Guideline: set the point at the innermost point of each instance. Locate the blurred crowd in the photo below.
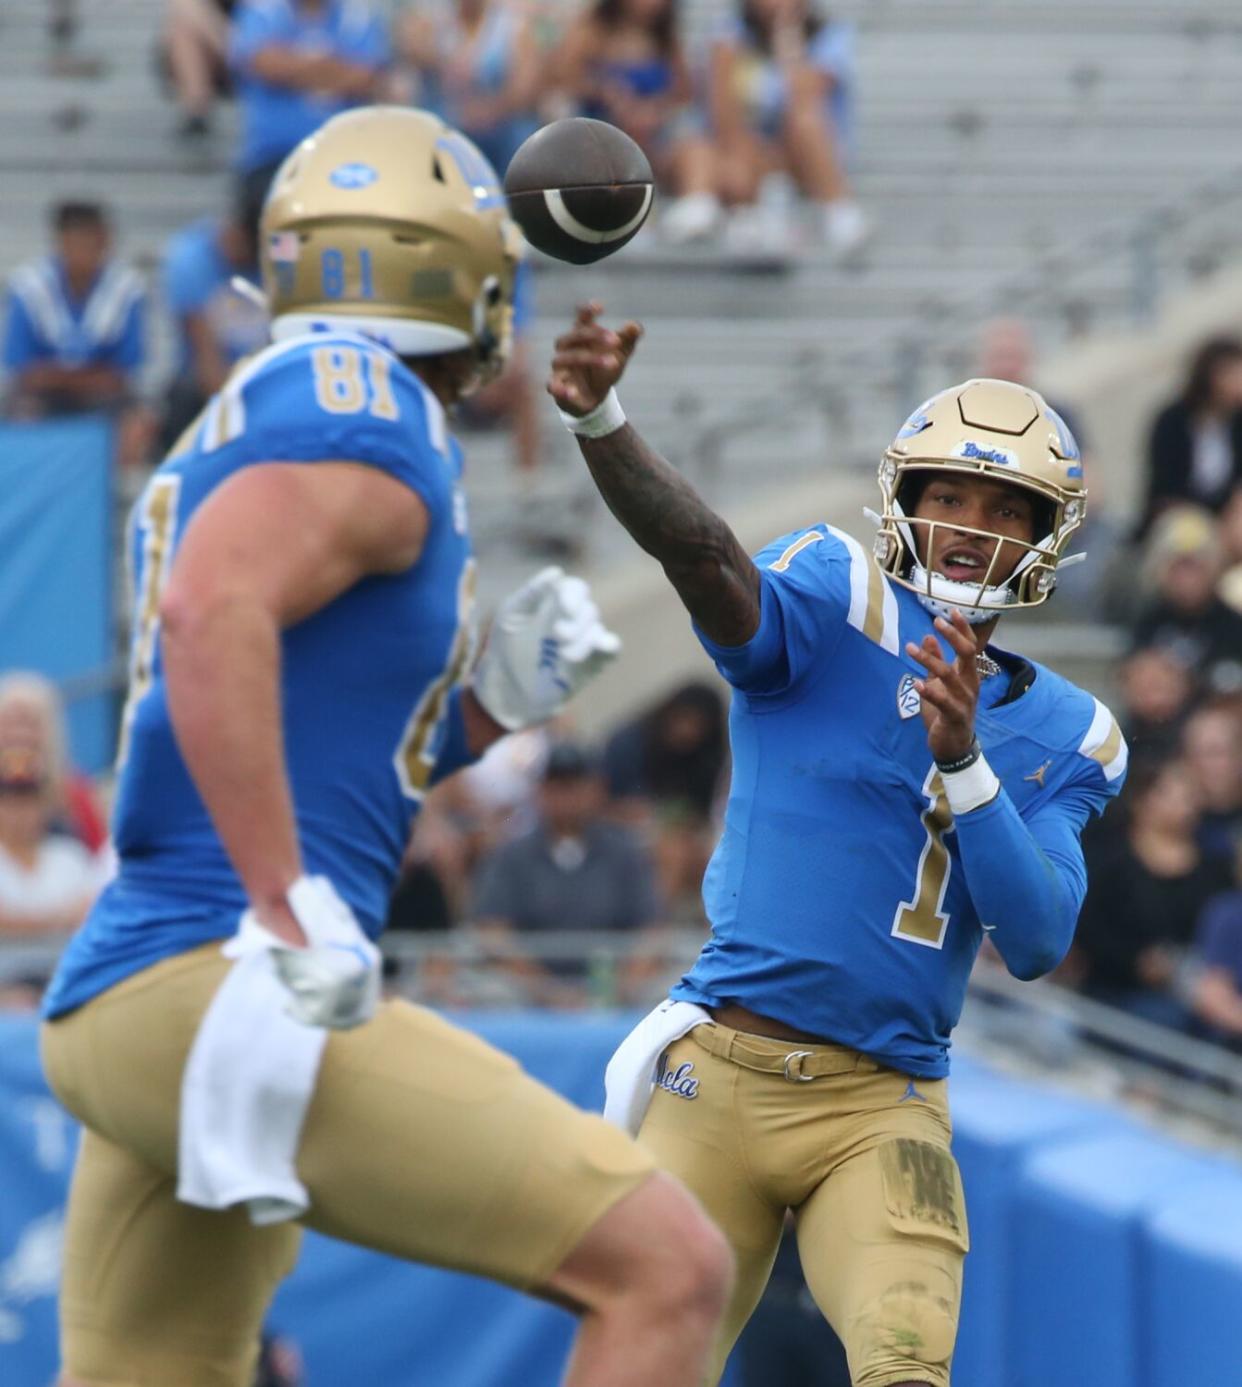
(733, 133)
(604, 846)
(1161, 930)
(765, 97)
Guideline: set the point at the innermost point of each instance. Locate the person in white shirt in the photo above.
(47, 880)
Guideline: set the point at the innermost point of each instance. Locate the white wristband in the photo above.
(607, 417)
(970, 789)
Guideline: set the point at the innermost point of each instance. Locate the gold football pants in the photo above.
(859, 1153)
(420, 1141)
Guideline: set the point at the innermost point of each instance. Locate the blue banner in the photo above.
(56, 566)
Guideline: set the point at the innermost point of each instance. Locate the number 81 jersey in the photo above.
(366, 681)
(837, 895)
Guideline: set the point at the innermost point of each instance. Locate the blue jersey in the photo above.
(844, 898)
(45, 323)
(198, 280)
(274, 117)
(368, 682)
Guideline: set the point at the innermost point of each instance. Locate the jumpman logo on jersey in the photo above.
(1038, 774)
(911, 1092)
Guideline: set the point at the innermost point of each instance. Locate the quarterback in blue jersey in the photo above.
(302, 671)
(900, 788)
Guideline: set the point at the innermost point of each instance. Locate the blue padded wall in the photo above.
(1076, 1308)
(997, 1123)
(1191, 1292)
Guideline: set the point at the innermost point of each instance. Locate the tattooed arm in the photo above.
(712, 573)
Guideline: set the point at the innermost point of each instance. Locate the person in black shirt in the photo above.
(1195, 450)
(573, 871)
(1146, 891)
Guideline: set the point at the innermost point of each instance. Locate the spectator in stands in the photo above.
(1145, 892)
(295, 64)
(778, 96)
(1185, 610)
(496, 796)
(479, 68)
(664, 774)
(1216, 992)
(75, 333)
(194, 48)
(31, 715)
(1007, 352)
(280, 1363)
(1212, 747)
(1158, 688)
(1195, 449)
(1094, 591)
(1230, 531)
(47, 880)
(622, 61)
(216, 325)
(573, 871)
(676, 753)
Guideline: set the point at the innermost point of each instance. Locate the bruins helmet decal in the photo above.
(391, 223)
(1009, 434)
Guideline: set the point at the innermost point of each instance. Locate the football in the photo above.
(579, 189)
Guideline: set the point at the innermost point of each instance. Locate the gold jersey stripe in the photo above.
(873, 622)
(1107, 751)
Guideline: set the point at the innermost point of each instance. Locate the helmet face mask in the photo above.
(1006, 434)
(390, 223)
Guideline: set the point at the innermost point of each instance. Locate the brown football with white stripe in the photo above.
(579, 189)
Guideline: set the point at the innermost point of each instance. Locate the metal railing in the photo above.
(1039, 1029)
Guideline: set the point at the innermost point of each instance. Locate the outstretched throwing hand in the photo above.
(589, 360)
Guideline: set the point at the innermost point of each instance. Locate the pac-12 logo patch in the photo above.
(679, 1081)
(908, 701)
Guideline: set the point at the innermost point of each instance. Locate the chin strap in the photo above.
(943, 596)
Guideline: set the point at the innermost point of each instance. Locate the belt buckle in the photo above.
(793, 1067)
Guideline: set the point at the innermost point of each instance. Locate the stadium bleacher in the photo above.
(1009, 157)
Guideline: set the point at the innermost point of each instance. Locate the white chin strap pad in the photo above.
(942, 596)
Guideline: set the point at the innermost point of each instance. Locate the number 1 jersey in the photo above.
(839, 898)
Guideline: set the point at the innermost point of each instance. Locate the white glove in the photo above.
(546, 643)
(334, 980)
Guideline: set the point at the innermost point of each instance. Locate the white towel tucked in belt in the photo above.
(244, 1094)
(630, 1078)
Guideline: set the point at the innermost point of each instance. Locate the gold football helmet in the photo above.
(1009, 434)
(391, 223)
